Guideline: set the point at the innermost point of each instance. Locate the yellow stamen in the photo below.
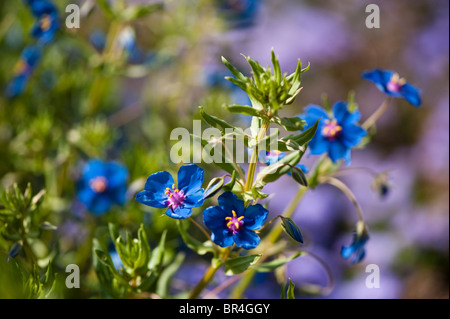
(46, 22)
(229, 224)
(234, 213)
(237, 225)
(173, 186)
(240, 218)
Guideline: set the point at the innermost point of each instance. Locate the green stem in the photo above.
(272, 237)
(254, 159)
(208, 276)
(376, 115)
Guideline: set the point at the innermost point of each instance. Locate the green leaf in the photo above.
(214, 121)
(238, 265)
(301, 139)
(157, 258)
(194, 244)
(106, 8)
(276, 67)
(274, 264)
(229, 186)
(290, 123)
(290, 290)
(243, 109)
(283, 166)
(136, 12)
(144, 251)
(163, 285)
(236, 72)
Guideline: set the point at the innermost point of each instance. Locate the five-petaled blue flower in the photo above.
(356, 248)
(23, 70)
(336, 134)
(231, 222)
(392, 84)
(47, 23)
(102, 185)
(160, 191)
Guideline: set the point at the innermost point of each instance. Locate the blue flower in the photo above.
(23, 70)
(102, 185)
(336, 134)
(47, 23)
(392, 84)
(160, 191)
(240, 13)
(356, 248)
(231, 222)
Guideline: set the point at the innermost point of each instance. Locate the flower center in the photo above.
(331, 130)
(395, 83)
(45, 22)
(175, 197)
(234, 223)
(98, 184)
(20, 67)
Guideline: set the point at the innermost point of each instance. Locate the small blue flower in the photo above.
(160, 191)
(102, 185)
(336, 134)
(240, 13)
(231, 222)
(392, 84)
(356, 248)
(23, 70)
(47, 23)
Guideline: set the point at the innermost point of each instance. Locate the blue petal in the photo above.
(222, 237)
(195, 199)
(148, 198)
(85, 193)
(229, 202)
(352, 135)
(255, 217)
(312, 114)
(214, 218)
(319, 144)
(380, 78)
(246, 239)
(153, 194)
(339, 151)
(100, 204)
(343, 116)
(411, 94)
(117, 175)
(94, 168)
(190, 178)
(179, 212)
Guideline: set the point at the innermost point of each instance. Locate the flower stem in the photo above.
(376, 115)
(254, 159)
(272, 237)
(207, 277)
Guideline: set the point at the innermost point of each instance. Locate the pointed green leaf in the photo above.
(238, 265)
(274, 264)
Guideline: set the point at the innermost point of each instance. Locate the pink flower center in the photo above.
(98, 184)
(331, 130)
(234, 224)
(175, 197)
(395, 83)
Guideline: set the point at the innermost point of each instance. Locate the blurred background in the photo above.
(87, 99)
